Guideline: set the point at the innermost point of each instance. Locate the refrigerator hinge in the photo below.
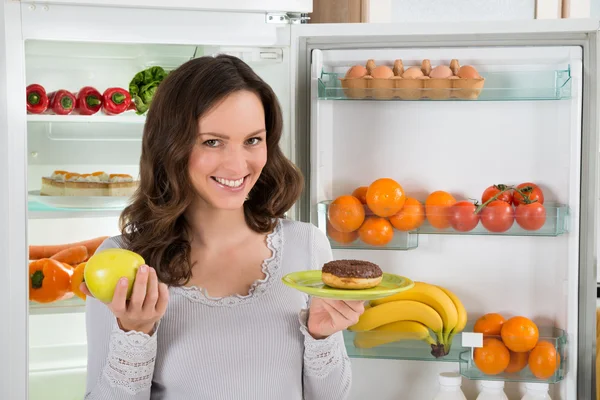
(286, 18)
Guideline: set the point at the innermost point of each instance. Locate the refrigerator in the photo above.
(534, 120)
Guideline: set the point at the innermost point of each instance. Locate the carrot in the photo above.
(72, 255)
(37, 252)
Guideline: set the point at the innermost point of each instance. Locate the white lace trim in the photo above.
(270, 267)
(131, 360)
(321, 356)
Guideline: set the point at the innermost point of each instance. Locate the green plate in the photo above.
(310, 282)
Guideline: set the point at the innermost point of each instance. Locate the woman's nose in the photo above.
(235, 160)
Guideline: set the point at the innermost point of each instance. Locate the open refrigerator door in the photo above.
(391, 110)
(69, 46)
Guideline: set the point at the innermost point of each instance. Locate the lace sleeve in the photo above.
(131, 357)
(320, 356)
(120, 365)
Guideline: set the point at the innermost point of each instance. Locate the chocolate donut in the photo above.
(351, 274)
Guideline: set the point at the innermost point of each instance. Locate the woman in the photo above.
(209, 317)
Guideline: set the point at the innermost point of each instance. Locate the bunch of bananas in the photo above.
(411, 315)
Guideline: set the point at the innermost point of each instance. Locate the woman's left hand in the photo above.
(326, 316)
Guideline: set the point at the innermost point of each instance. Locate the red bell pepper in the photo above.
(62, 102)
(115, 101)
(89, 101)
(37, 99)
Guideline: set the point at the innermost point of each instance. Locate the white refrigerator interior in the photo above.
(532, 122)
(462, 148)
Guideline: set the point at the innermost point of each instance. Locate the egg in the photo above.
(412, 73)
(382, 72)
(468, 72)
(357, 71)
(441, 72)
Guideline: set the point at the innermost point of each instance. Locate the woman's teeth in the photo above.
(230, 183)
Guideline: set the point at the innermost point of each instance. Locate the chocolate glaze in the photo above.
(352, 269)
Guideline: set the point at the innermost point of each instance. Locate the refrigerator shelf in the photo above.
(125, 118)
(556, 337)
(400, 240)
(70, 305)
(358, 345)
(556, 223)
(495, 86)
(42, 211)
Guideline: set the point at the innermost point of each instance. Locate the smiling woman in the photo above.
(208, 220)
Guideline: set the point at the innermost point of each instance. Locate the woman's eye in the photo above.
(211, 143)
(254, 141)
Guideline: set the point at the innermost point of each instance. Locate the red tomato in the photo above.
(497, 216)
(531, 216)
(535, 194)
(462, 216)
(494, 190)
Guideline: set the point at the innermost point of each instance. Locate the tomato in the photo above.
(535, 194)
(104, 269)
(462, 216)
(494, 190)
(497, 216)
(531, 216)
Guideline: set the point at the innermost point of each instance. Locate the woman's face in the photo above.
(230, 152)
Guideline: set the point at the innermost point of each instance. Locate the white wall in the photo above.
(477, 10)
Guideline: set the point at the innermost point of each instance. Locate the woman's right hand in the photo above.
(146, 306)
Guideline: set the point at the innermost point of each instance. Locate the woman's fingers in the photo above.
(84, 289)
(152, 291)
(139, 289)
(163, 298)
(342, 310)
(118, 305)
(356, 305)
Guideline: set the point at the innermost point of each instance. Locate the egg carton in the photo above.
(414, 83)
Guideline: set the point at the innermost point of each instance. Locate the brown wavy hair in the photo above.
(153, 225)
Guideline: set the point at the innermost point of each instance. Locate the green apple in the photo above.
(104, 269)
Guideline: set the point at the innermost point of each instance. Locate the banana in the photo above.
(434, 297)
(462, 317)
(393, 332)
(401, 310)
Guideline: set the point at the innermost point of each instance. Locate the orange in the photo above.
(341, 237)
(346, 213)
(361, 194)
(376, 231)
(437, 207)
(410, 217)
(544, 360)
(385, 197)
(489, 324)
(492, 358)
(520, 334)
(518, 361)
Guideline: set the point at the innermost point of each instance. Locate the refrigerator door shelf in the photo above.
(396, 240)
(556, 223)
(389, 346)
(493, 86)
(556, 341)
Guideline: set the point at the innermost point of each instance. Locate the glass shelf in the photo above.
(358, 345)
(496, 86)
(556, 337)
(42, 211)
(128, 117)
(400, 240)
(71, 305)
(556, 223)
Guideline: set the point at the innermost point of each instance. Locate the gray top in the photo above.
(238, 347)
